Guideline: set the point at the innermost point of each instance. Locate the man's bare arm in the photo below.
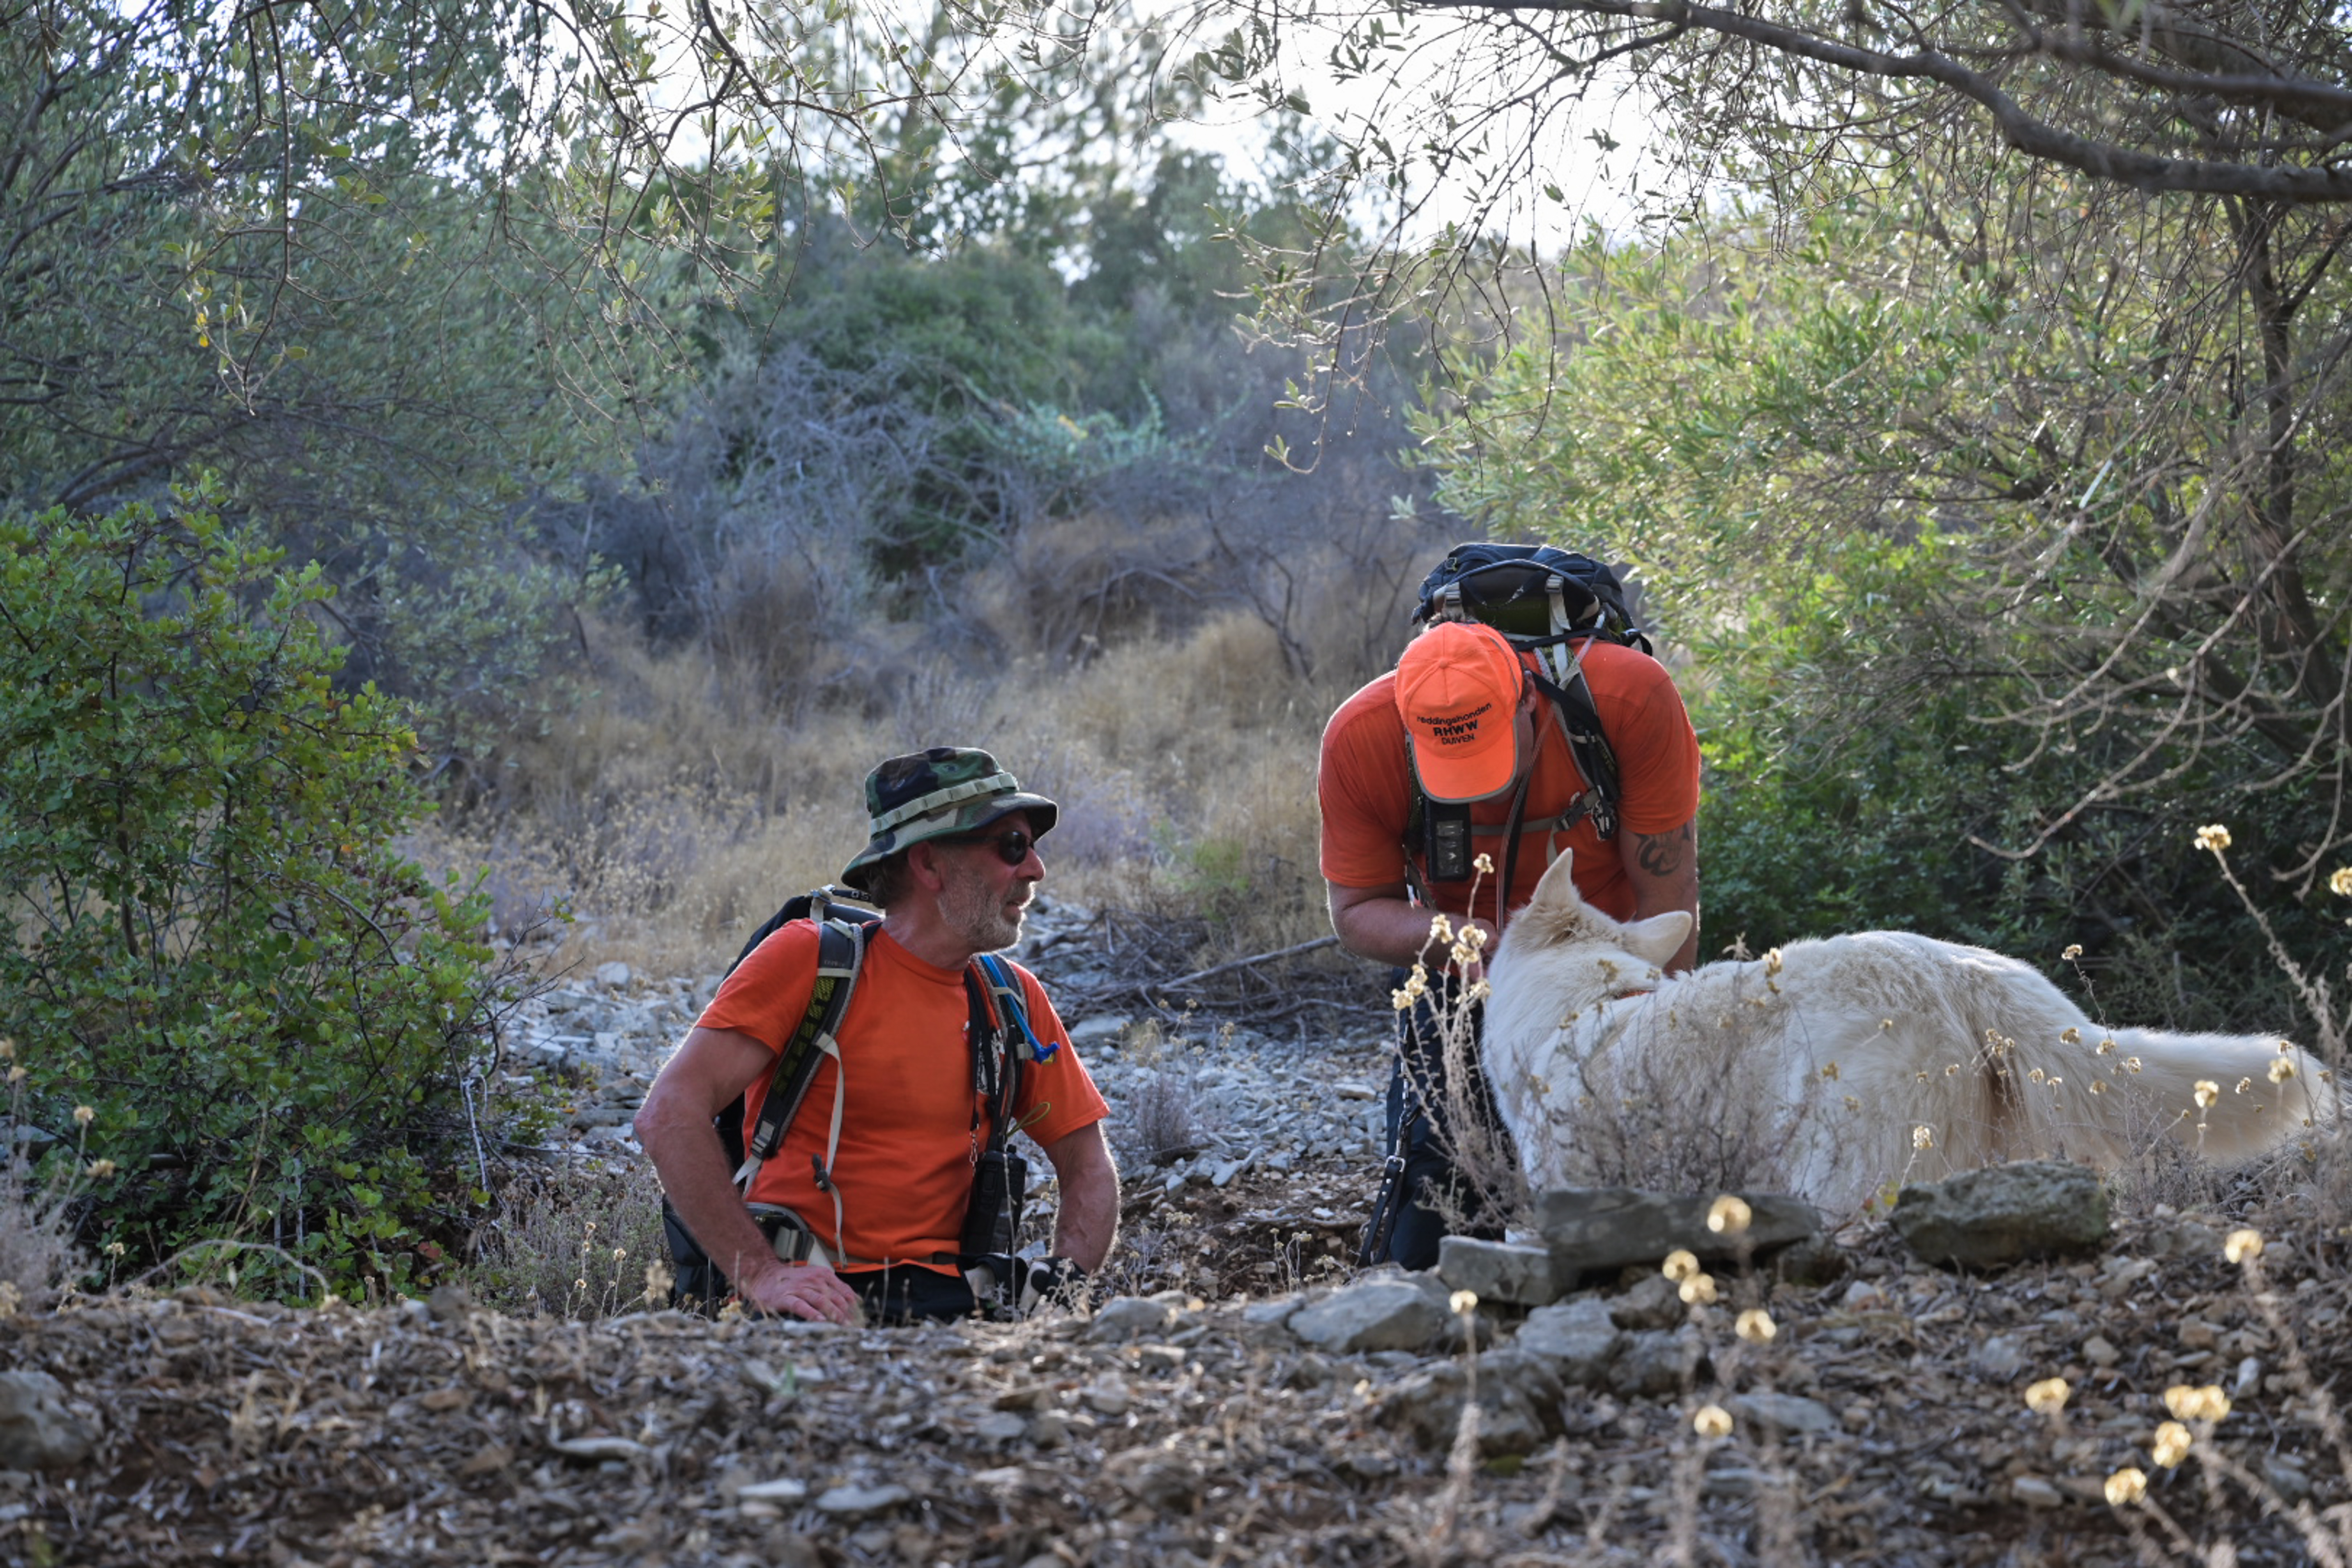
(1383, 925)
(709, 1070)
(1664, 870)
(1087, 1219)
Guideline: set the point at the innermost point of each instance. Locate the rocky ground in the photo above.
(1247, 1397)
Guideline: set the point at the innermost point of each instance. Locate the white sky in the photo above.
(1550, 144)
(1596, 187)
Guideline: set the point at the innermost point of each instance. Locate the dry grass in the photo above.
(576, 1243)
(1163, 1119)
(676, 807)
(37, 1255)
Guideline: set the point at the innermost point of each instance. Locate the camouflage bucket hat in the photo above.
(939, 794)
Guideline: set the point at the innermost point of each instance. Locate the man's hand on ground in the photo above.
(1053, 1282)
(808, 1290)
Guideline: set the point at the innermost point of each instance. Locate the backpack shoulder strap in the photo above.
(1000, 1013)
(1579, 724)
(1012, 999)
(841, 950)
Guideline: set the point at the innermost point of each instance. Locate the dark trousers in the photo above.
(911, 1294)
(1420, 1111)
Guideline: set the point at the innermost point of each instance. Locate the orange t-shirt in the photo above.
(908, 1143)
(1365, 788)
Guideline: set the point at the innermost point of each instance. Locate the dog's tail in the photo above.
(2227, 1097)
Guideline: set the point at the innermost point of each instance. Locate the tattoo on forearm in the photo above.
(1662, 854)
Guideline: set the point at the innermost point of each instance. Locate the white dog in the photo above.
(1876, 1058)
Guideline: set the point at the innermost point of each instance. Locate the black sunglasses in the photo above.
(1011, 847)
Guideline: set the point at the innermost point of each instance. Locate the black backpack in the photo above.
(1534, 595)
(1540, 598)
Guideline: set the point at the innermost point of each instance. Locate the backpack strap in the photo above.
(841, 951)
(1580, 724)
(1002, 1039)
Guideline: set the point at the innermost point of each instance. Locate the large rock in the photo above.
(36, 1431)
(1577, 1339)
(1609, 1228)
(1518, 1403)
(2036, 1208)
(1498, 1270)
(1385, 1312)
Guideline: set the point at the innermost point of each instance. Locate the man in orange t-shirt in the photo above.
(1463, 704)
(951, 862)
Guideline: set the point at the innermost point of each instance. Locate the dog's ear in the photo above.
(1660, 937)
(1556, 889)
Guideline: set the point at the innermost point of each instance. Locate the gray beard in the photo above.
(972, 912)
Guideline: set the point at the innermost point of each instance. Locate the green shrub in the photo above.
(270, 1016)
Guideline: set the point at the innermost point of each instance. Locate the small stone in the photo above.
(1105, 1399)
(1273, 1313)
(2099, 1352)
(613, 975)
(1788, 1412)
(595, 1450)
(1397, 1311)
(1125, 1318)
(1498, 1271)
(1519, 1404)
(488, 1460)
(1002, 1427)
(1224, 1173)
(2035, 1492)
(1578, 1338)
(1657, 1364)
(1654, 1302)
(855, 1502)
(1732, 1483)
(2196, 1334)
(1028, 1397)
(783, 1489)
(2291, 1484)
(1104, 1031)
(2005, 1214)
(1863, 1296)
(2000, 1357)
(1157, 1477)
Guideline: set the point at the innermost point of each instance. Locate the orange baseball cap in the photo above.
(1457, 689)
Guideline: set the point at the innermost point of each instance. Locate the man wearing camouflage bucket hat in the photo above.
(951, 861)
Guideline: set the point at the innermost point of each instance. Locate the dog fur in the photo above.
(1851, 1043)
